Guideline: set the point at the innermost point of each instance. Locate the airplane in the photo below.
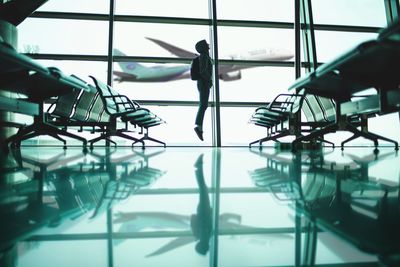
(136, 72)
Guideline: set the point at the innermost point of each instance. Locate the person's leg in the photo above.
(204, 94)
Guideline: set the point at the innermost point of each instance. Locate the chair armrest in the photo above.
(126, 103)
(135, 103)
(287, 104)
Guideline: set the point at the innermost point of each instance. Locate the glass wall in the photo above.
(340, 26)
(147, 39)
(84, 6)
(63, 36)
(355, 13)
(153, 43)
(172, 8)
(330, 44)
(258, 10)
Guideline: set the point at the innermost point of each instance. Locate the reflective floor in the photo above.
(199, 207)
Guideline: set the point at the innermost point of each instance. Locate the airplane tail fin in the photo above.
(118, 52)
(128, 67)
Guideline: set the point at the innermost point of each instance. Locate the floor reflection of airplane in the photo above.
(135, 72)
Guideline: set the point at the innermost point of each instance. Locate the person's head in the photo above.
(202, 46)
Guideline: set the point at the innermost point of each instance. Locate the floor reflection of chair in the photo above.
(22, 210)
(77, 189)
(71, 185)
(354, 206)
(368, 217)
(336, 197)
(126, 177)
(282, 174)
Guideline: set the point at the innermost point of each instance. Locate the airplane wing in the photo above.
(176, 243)
(173, 49)
(226, 72)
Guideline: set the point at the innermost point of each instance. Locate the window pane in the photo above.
(345, 12)
(179, 127)
(132, 38)
(63, 36)
(82, 69)
(385, 125)
(81, 6)
(233, 119)
(255, 43)
(171, 8)
(263, 10)
(257, 84)
(332, 44)
(154, 81)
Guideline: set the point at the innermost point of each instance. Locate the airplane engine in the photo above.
(231, 76)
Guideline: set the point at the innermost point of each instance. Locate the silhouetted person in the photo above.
(204, 83)
(201, 221)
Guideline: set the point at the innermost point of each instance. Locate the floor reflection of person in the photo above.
(201, 221)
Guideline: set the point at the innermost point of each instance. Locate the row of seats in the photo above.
(281, 119)
(78, 104)
(101, 110)
(327, 97)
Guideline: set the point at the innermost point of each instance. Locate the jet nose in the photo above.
(285, 53)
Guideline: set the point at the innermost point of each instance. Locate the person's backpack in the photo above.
(195, 69)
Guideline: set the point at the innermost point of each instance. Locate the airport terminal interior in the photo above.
(296, 163)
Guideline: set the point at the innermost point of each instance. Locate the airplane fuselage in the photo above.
(135, 72)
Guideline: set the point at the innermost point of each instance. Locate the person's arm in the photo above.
(205, 67)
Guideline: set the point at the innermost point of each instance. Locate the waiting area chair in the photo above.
(128, 111)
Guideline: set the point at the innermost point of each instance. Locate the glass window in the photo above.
(255, 84)
(82, 69)
(387, 126)
(155, 81)
(179, 127)
(262, 10)
(158, 40)
(171, 8)
(233, 119)
(245, 43)
(61, 36)
(79, 6)
(332, 44)
(344, 12)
